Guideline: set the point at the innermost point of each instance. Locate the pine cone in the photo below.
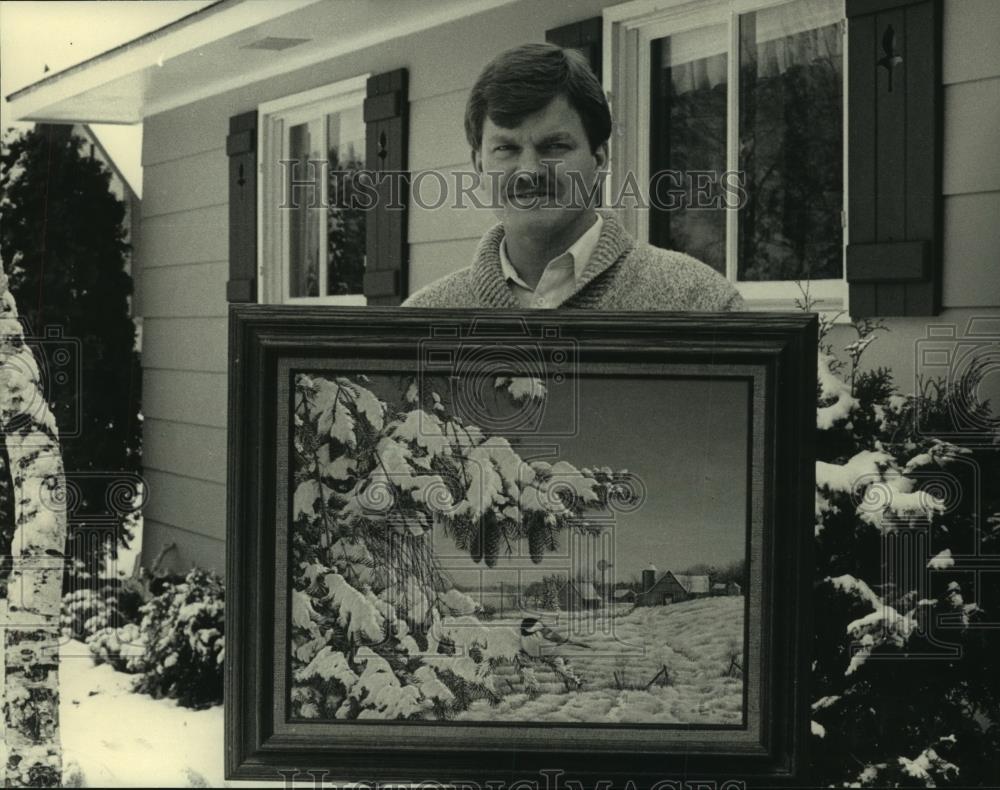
(491, 538)
(537, 533)
(476, 544)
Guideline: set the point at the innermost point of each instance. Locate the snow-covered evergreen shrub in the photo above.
(106, 617)
(87, 611)
(123, 648)
(905, 683)
(184, 645)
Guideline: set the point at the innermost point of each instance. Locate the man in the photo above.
(538, 124)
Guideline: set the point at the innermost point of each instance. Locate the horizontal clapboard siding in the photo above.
(186, 184)
(196, 290)
(969, 41)
(456, 217)
(184, 237)
(437, 131)
(971, 177)
(187, 502)
(972, 136)
(190, 548)
(194, 129)
(179, 448)
(972, 250)
(185, 344)
(192, 397)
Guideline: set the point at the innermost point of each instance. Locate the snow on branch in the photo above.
(835, 394)
(328, 664)
(521, 388)
(929, 767)
(884, 495)
(862, 468)
(884, 625)
(355, 612)
(383, 695)
(852, 586)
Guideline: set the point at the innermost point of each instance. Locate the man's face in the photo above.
(546, 168)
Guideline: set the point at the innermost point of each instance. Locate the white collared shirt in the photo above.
(561, 275)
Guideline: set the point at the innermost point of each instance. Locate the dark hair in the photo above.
(524, 80)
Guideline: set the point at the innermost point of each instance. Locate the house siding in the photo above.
(182, 291)
(186, 237)
(183, 257)
(182, 252)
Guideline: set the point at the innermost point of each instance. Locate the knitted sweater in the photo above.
(620, 275)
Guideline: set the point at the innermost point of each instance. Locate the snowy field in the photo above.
(694, 640)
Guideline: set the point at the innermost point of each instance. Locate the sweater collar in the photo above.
(491, 284)
(578, 254)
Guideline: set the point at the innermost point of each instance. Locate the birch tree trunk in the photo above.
(30, 644)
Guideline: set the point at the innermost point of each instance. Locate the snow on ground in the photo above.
(693, 639)
(115, 738)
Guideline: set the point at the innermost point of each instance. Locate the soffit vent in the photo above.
(276, 43)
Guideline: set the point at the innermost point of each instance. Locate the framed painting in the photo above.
(518, 546)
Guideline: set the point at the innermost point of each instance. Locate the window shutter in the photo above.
(584, 36)
(386, 138)
(241, 146)
(894, 157)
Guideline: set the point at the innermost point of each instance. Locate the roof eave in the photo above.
(40, 101)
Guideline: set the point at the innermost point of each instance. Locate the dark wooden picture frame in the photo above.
(774, 354)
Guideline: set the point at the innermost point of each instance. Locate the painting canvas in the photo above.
(494, 545)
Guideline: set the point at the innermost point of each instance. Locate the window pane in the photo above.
(345, 238)
(791, 143)
(688, 134)
(304, 143)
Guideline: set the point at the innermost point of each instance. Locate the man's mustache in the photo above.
(528, 186)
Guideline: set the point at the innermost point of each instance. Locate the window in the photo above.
(312, 247)
(748, 87)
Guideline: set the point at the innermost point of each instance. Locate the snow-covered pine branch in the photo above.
(902, 674)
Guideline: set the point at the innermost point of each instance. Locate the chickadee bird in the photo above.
(540, 641)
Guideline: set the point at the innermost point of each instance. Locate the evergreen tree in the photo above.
(63, 244)
(550, 593)
(905, 684)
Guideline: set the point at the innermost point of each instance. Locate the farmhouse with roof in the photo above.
(623, 595)
(659, 589)
(724, 588)
(575, 596)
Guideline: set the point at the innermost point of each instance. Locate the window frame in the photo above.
(628, 30)
(273, 119)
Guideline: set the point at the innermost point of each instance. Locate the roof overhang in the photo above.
(221, 47)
